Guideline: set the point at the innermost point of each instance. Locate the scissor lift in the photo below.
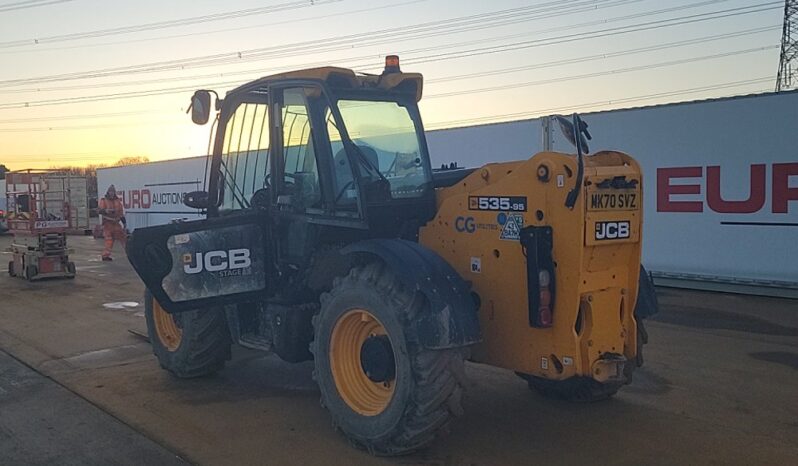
(39, 219)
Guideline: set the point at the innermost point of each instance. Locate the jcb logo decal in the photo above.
(217, 261)
(612, 230)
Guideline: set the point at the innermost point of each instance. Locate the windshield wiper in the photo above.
(365, 161)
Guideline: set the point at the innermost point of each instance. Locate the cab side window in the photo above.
(300, 172)
(344, 187)
(245, 155)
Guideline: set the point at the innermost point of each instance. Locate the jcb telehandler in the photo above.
(330, 237)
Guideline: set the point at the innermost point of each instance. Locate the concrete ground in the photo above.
(720, 386)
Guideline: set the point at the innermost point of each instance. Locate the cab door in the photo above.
(227, 258)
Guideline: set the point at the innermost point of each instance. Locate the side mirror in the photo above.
(196, 199)
(567, 128)
(200, 107)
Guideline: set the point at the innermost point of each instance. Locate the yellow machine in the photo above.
(330, 238)
(588, 255)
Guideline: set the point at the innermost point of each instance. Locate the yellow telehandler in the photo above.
(329, 237)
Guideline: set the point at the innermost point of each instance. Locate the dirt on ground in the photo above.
(718, 387)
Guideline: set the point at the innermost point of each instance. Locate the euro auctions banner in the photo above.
(153, 193)
(720, 179)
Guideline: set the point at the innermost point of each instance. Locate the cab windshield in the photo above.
(386, 139)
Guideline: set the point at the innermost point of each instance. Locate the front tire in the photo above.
(385, 392)
(189, 344)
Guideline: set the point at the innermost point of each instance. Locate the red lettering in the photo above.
(135, 198)
(782, 192)
(125, 198)
(665, 189)
(146, 199)
(756, 196)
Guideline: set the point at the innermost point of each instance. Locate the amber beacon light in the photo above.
(392, 64)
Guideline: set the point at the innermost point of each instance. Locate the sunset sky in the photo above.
(91, 81)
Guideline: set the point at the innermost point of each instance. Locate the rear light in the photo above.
(2, 213)
(537, 245)
(544, 278)
(544, 303)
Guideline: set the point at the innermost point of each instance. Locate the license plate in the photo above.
(616, 199)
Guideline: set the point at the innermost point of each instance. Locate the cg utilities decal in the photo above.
(467, 224)
(508, 225)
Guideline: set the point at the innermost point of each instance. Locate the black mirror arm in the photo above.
(573, 194)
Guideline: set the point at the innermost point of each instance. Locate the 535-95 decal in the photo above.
(504, 203)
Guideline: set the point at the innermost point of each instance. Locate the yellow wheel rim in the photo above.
(363, 395)
(168, 332)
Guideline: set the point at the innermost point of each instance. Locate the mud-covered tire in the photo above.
(428, 383)
(204, 345)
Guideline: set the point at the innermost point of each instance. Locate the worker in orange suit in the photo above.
(113, 220)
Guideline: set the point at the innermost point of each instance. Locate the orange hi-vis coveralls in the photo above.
(112, 229)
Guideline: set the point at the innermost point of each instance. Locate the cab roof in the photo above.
(344, 78)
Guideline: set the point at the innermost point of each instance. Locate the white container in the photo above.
(152, 193)
(721, 148)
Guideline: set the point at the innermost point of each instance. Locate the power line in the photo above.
(168, 24)
(537, 112)
(214, 31)
(603, 56)
(29, 4)
(335, 44)
(625, 100)
(114, 96)
(85, 127)
(62, 157)
(602, 73)
(438, 57)
(261, 71)
(651, 25)
(82, 116)
(460, 24)
(537, 66)
(133, 94)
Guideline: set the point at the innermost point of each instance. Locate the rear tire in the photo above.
(575, 389)
(30, 272)
(189, 344)
(11, 269)
(407, 410)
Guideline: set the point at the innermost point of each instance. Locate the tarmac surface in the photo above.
(79, 386)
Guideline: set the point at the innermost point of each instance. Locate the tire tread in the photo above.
(437, 379)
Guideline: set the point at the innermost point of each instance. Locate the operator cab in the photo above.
(326, 144)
